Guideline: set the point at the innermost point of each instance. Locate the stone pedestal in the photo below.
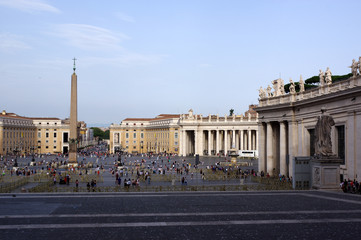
(326, 172)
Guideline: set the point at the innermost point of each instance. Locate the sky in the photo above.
(142, 58)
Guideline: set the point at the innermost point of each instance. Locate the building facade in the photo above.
(186, 134)
(287, 122)
(25, 135)
(17, 134)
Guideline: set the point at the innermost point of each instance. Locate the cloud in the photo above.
(11, 42)
(124, 17)
(29, 5)
(89, 37)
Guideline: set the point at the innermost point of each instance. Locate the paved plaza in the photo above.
(191, 215)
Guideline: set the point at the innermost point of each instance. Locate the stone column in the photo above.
(209, 142)
(257, 142)
(225, 142)
(241, 140)
(201, 142)
(249, 139)
(270, 163)
(233, 139)
(283, 150)
(73, 121)
(292, 144)
(217, 141)
(262, 150)
(196, 142)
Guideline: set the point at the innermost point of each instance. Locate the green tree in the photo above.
(100, 133)
(231, 111)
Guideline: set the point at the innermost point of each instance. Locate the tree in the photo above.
(97, 132)
(231, 112)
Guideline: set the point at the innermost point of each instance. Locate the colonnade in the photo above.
(217, 142)
(277, 143)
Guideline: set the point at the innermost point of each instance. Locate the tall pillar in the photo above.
(249, 138)
(73, 120)
(262, 150)
(241, 140)
(283, 150)
(225, 142)
(270, 163)
(257, 142)
(292, 144)
(201, 142)
(233, 139)
(209, 142)
(217, 141)
(196, 142)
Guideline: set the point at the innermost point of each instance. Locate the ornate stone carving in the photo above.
(302, 84)
(322, 78)
(328, 75)
(262, 93)
(269, 91)
(316, 176)
(354, 66)
(292, 87)
(323, 144)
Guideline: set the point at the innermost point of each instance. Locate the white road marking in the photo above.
(190, 223)
(331, 198)
(180, 214)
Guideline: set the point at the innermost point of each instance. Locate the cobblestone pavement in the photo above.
(108, 180)
(200, 215)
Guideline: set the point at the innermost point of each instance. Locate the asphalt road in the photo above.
(190, 215)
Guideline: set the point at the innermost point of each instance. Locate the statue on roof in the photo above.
(302, 84)
(292, 87)
(328, 76)
(322, 78)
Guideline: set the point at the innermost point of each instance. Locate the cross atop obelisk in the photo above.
(73, 120)
(74, 59)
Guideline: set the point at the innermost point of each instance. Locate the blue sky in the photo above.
(143, 58)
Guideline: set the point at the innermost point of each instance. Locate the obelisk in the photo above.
(73, 120)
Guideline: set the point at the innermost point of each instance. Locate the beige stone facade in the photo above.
(24, 135)
(187, 134)
(145, 135)
(17, 134)
(287, 123)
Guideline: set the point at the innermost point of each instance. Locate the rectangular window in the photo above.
(141, 135)
(55, 135)
(312, 141)
(175, 143)
(126, 135)
(39, 134)
(47, 135)
(341, 142)
(175, 135)
(134, 142)
(134, 135)
(65, 137)
(54, 147)
(126, 142)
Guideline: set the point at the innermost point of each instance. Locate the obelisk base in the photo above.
(73, 158)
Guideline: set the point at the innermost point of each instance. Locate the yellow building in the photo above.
(146, 135)
(52, 135)
(17, 134)
(24, 135)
